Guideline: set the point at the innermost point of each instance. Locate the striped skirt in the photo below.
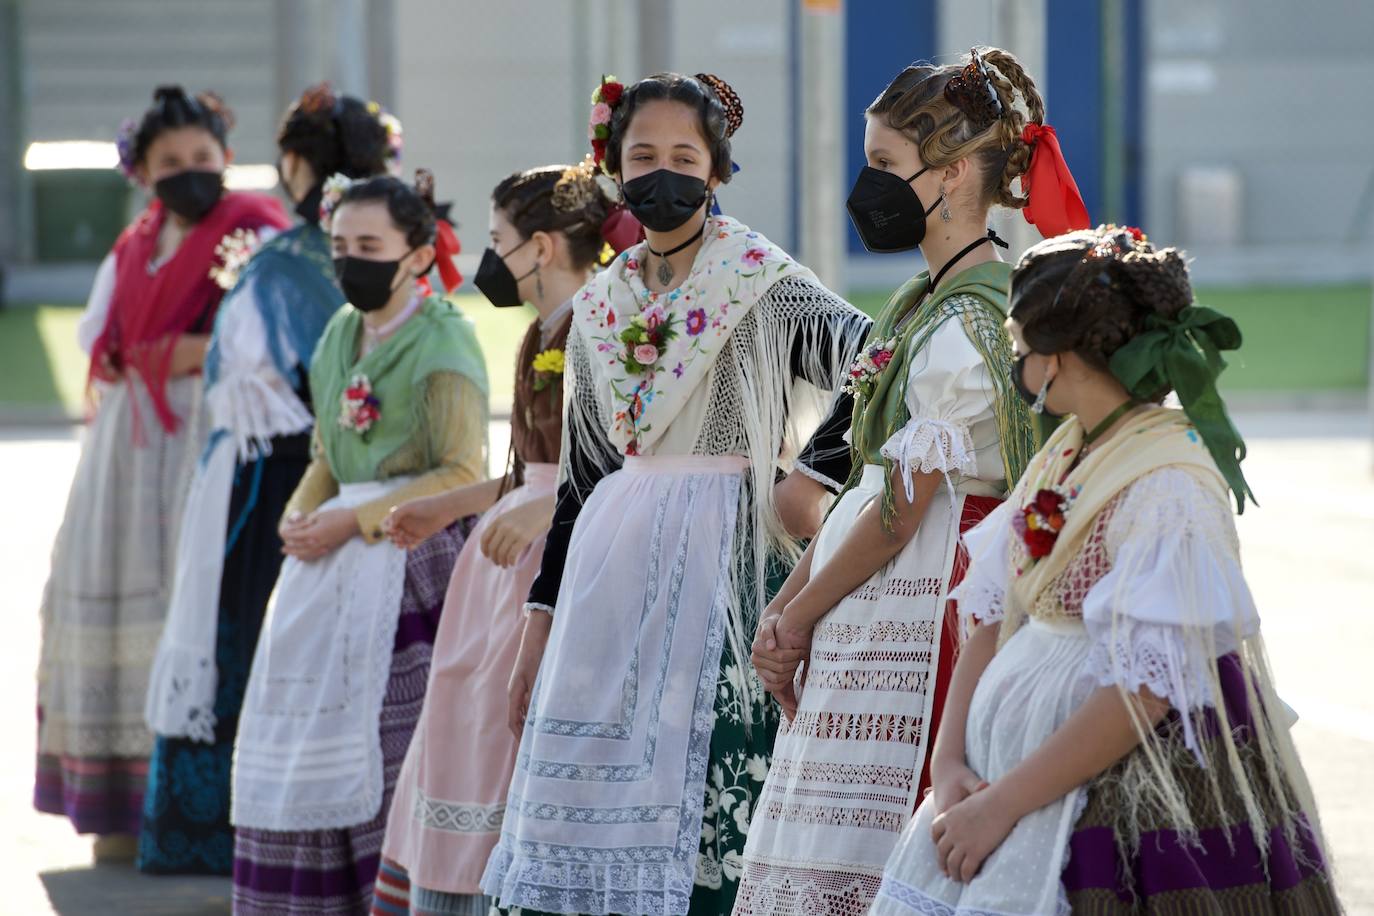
(1110, 873)
(333, 871)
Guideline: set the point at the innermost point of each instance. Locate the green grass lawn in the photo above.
(1296, 339)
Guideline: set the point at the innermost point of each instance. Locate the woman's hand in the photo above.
(318, 534)
(510, 533)
(417, 520)
(520, 690)
(969, 832)
(776, 654)
(951, 782)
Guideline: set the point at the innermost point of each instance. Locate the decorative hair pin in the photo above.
(729, 100)
(319, 97)
(972, 92)
(212, 103)
(576, 188)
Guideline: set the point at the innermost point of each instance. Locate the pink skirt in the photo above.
(451, 796)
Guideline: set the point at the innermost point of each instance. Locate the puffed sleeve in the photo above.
(982, 594)
(948, 388)
(1175, 599)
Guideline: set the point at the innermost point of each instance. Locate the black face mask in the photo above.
(664, 200)
(366, 284)
(1018, 380)
(495, 280)
(308, 207)
(887, 211)
(190, 194)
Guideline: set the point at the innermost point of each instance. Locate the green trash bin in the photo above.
(78, 213)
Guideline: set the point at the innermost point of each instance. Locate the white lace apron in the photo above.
(309, 755)
(605, 807)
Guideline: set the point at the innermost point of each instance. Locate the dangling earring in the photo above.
(944, 206)
(1039, 406)
(538, 284)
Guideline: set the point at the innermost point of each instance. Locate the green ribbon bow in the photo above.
(1183, 353)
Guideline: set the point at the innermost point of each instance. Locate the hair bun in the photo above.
(1158, 279)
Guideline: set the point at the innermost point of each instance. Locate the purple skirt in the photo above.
(333, 871)
(1225, 871)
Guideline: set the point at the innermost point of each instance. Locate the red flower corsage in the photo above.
(1040, 522)
(359, 408)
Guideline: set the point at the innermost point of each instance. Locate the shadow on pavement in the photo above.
(111, 889)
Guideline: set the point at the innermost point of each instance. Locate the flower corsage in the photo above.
(1038, 524)
(863, 375)
(548, 368)
(234, 251)
(360, 409)
(646, 338)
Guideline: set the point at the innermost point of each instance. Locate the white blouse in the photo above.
(1174, 600)
(250, 398)
(953, 426)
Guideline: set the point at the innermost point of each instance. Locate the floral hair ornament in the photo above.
(606, 98)
(392, 125)
(330, 194)
(124, 145)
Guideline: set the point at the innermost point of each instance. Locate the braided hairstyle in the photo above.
(1089, 292)
(173, 108)
(918, 104)
(411, 207)
(557, 198)
(719, 111)
(335, 134)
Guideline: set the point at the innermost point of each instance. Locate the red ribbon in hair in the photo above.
(446, 248)
(1054, 205)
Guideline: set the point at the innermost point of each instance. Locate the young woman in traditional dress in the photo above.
(938, 433)
(338, 678)
(645, 738)
(146, 327)
(230, 552)
(546, 239)
(1112, 742)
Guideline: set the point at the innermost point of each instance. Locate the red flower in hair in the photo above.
(611, 93)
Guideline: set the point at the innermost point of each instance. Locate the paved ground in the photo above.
(1309, 553)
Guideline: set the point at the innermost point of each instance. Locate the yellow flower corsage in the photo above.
(546, 365)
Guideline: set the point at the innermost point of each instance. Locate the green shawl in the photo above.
(976, 297)
(437, 338)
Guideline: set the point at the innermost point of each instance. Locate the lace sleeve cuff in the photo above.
(1158, 657)
(981, 601)
(807, 471)
(929, 446)
(533, 606)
